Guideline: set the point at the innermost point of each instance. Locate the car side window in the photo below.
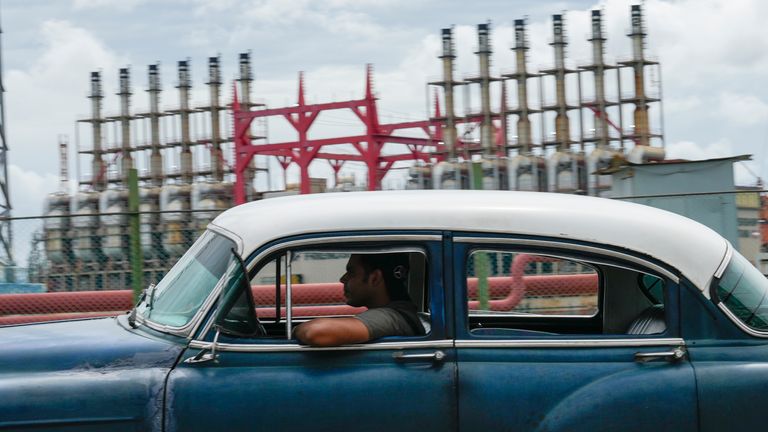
(516, 292)
(531, 284)
(316, 289)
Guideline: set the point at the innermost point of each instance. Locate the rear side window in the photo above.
(742, 289)
(503, 282)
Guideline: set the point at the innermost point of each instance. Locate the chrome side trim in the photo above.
(572, 343)
(321, 241)
(576, 247)
(288, 295)
(378, 346)
(740, 324)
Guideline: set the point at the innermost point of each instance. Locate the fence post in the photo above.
(134, 235)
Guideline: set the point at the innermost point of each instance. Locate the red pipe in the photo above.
(66, 302)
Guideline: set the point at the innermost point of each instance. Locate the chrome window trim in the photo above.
(513, 314)
(570, 246)
(375, 346)
(741, 325)
(572, 343)
(726, 260)
(319, 241)
(228, 234)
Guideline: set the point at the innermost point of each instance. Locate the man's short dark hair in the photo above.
(394, 268)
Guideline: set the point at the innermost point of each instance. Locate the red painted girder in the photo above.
(249, 115)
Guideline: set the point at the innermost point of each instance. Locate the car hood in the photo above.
(91, 344)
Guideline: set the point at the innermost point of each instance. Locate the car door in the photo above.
(542, 339)
(273, 383)
(728, 340)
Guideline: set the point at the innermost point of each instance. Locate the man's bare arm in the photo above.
(325, 332)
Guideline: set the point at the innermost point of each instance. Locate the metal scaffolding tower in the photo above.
(6, 255)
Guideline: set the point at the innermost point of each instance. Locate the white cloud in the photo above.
(693, 151)
(743, 109)
(121, 5)
(45, 99)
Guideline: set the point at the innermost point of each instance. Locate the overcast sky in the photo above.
(714, 57)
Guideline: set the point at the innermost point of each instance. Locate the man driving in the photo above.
(380, 283)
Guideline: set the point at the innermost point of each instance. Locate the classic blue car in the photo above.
(542, 311)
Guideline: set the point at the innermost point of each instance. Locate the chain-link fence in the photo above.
(87, 261)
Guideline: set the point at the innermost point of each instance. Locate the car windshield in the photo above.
(743, 289)
(179, 295)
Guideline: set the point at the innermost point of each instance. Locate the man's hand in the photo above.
(327, 332)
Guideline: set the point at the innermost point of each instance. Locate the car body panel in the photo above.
(83, 375)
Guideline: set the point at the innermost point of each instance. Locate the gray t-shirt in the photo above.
(389, 320)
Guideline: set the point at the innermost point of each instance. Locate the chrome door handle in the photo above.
(437, 356)
(671, 356)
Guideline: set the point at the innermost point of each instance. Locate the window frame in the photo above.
(464, 243)
(428, 242)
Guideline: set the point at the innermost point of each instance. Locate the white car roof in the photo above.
(693, 249)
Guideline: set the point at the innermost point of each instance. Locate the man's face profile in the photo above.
(359, 286)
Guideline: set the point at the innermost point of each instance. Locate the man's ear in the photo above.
(376, 277)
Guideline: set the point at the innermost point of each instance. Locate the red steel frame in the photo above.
(304, 150)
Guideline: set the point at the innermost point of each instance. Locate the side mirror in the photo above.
(202, 356)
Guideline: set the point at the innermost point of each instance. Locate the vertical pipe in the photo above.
(155, 158)
(621, 109)
(449, 129)
(484, 55)
(638, 60)
(185, 158)
(214, 83)
(246, 77)
(125, 124)
(97, 167)
(523, 122)
(63, 164)
(562, 127)
(598, 62)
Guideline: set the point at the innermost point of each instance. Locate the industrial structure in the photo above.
(469, 149)
(6, 256)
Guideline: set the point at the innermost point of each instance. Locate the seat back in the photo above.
(651, 321)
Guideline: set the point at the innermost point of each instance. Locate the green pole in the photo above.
(134, 235)
(482, 263)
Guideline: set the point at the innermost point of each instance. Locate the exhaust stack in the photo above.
(155, 158)
(186, 154)
(214, 83)
(524, 137)
(98, 168)
(449, 129)
(64, 164)
(484, 55)
(638, 59)
(245, 79)
(599, 67)
(562, 126)
(125, 124)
